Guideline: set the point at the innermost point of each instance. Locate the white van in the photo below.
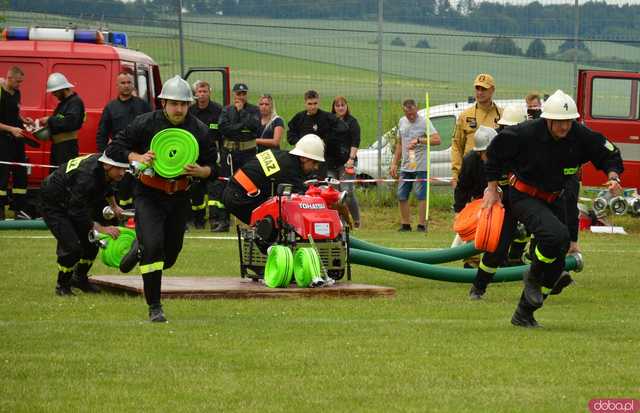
(444, 119)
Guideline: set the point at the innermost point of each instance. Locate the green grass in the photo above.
(427, 349)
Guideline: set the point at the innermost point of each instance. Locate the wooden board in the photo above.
(235, 287)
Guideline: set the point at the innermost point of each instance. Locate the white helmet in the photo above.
(57, 81)
(106, 160)
(310, 146)
(560, 106)
(484, 136)
(176, 88)
(512, 115)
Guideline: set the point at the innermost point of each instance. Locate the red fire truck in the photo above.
(609, 102)
(91, 60)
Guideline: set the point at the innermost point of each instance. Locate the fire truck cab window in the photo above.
(614, 98)
(143, 91)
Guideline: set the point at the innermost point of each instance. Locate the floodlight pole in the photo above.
(576, 32)
(380, 21)
(181, 38)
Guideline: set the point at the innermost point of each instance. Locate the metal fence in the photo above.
(375, 62)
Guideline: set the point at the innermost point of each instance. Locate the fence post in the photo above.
(379, 130)
(576, 33)
(181, 37)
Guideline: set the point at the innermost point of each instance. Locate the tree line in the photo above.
(597, 19)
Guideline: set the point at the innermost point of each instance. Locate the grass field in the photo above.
(427, 349)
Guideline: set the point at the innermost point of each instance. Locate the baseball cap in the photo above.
(485, 80)
(240, 87)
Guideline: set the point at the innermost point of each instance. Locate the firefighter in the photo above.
(116, 115)
(484, 112)
(208, 112)
(256, 181)
(66, 120)
(543, 154)
(162, 205)
(70, 198)
(11, 144)
(238, 124)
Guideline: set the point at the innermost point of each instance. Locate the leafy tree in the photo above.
(398, 42)
(503, 45)
(537, 49)
(423, 44)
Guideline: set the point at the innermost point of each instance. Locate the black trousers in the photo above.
(238, 203)
(12, 150)
(230, 162)
(124, 191)
(197, 192)
(160, 227)
(547, 223)
(63, 151)
(73, 245)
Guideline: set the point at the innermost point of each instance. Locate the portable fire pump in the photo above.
(295, 220)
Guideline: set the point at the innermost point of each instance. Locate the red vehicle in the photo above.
(609, 102)
(91, 67)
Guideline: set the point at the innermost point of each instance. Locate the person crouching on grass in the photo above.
(68, 199)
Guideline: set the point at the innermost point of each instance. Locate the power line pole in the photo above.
(181, 38)
(380, 21)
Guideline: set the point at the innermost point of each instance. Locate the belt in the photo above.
(246, 183)
(64, 136)
(239, 146)
(168, 186)
(533, 191)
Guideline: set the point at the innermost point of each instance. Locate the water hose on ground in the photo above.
(427, 257)
(439, 273)
(11, 224)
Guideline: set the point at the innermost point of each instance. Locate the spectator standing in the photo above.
(208, 112)
(342, 155)
(411, 155)
(239, 125)
(116, 115)
(484, 112)
(271, 125)
(11, 146)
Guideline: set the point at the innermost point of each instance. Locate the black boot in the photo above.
(80, 279)
(156, 315)
(224, 223)
(523, 316)
(63, 286)
(532, 289)
(131, 259)
(479, 287)
(564, 281)
(214, 217)
(81, 282)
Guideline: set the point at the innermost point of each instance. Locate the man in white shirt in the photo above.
(411, 150)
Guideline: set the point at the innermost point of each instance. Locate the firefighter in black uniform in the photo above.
(66, 120)
(238, 126)
(162, 205)
(115, 117)
(543, 154)
(208, 112)
(71, 197)
(257, 180)
(11, 142)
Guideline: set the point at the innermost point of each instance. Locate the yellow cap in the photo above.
(485, 80)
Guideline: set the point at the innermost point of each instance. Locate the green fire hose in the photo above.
(117, 248)
(11, 224)
(439, 273)
(427, 257)
(174, 148)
